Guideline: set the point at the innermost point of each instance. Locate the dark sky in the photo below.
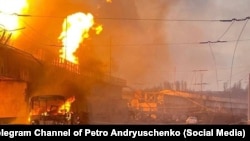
(148, 52)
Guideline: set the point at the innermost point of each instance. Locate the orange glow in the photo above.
(75, 29)
(109, 1)
(66, 106)
(29, 119)
(9, 19)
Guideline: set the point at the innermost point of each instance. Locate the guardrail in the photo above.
(62, 63)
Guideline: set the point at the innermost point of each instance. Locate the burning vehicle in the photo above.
(51, 109)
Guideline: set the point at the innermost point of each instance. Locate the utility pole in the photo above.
(65, 47)
(248, 115)
(175, 78)
(201, 80)
(194, 79)
(110, 56)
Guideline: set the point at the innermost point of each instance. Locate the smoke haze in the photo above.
(144, 52)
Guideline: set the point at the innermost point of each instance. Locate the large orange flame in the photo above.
(75, 29)
(9, 18)
(65, 108)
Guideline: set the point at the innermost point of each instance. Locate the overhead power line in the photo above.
(211, 50)
(235, 19)
(226, 31)
(136, 19)
(184, 43)
(236, 45)
(215, 64)
(179, 20)
(212, 42)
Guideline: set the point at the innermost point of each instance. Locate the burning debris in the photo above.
(75, 29)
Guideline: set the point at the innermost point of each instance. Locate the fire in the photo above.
(66, 106)
(76, 28)
(9, 20)
(98, 29)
